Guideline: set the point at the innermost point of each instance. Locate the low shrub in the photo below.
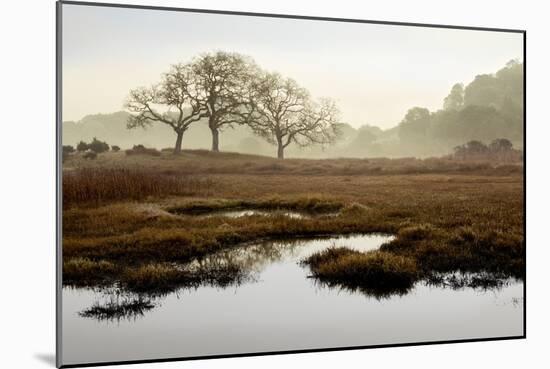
(68, 149)
(115, 148)
(98, 146)
(99, 185)
(82, 146)
(142, 150)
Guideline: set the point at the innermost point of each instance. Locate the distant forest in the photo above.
(488, 108)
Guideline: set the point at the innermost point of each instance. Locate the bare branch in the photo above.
(282, 113)
(175, 101)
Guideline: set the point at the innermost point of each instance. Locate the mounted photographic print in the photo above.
(241, 184)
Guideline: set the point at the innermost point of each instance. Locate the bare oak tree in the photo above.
(178, 98)
(282, 113)
(222, 79)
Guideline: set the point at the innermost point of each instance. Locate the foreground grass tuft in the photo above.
(149, 277)
(374, 270)
(161, 278)
(83, 271)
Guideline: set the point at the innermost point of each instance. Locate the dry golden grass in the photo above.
(97, 185)
(379, 270)
(467, 219)
(205, 162)
(85, 271)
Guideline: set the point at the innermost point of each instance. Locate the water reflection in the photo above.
(376, 293)
(254, 257)
(226, 268)
(240, 212)
(251, 212)
(119, 307)
(277, 307)
(460, 280)
(234, 267)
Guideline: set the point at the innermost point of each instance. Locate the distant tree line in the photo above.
(490, 107)
(500, 149)
(227, 89)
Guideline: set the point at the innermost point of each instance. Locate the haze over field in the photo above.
(374, 72)
(489, 108)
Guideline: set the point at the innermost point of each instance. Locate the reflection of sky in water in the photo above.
(248, 212)
(237, 213)
(281, 309)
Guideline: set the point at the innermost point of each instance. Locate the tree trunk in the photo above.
(280, 149)
(177, 148)
(215, 139)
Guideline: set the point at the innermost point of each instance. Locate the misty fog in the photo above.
(487, 108)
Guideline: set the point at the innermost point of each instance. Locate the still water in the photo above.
(279, 308)
(238, 213)
(249, 212)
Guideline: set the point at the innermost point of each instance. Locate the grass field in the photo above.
(130, 219)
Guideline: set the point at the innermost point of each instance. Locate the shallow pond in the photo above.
(279, 308)
(249, 212)
(237, 213)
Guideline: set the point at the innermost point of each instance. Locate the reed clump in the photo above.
(163, 277)
(82, 271)
(373, 270)
(100, 185)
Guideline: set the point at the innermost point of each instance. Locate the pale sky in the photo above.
(374, 72)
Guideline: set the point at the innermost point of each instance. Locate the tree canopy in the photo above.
(282, 113)
(222, 80)
(228, 89)
(174, 102)
(489, 107)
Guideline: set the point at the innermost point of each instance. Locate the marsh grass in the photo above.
(382, 273)
(149, 277)
(189, 238)
(310, 204)
(162, 278)
(207, 162)
(83, 271)
(464, 249)
(448, 220)
(154, 277)
(94, 185)
(373, 270)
